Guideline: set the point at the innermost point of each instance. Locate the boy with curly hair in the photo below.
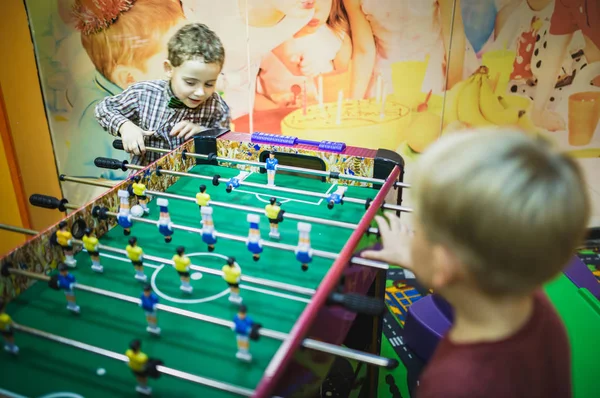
(165, 113)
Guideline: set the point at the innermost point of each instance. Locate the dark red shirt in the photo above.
(533, 363)
(572, 15)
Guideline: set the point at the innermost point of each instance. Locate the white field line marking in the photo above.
(158, 268)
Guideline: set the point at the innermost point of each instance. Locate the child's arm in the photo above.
(455, 56)
(363, 49)
(396, 240)
(341, 62)
(546, 75)
(220, 117)
(559, 36)
(504, 16)
(118, 114)
(114, 111)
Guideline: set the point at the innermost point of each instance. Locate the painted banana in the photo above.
(492, 109)
(503, 102)
(451, 103)
(527, 124)
(468, 103)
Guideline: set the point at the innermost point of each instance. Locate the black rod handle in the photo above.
(358, 303)
(48, 202)
(113, 164)
(118, 144)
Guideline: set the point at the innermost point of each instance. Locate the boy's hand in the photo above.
(133, 138)
(186, 129)
(395, 239)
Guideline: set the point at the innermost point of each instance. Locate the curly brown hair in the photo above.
(196, 41)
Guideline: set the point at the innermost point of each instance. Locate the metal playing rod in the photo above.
(282, 246)
(250, 209)
(20, 230)
(118, 144)
(120, 357)
(210, 271)
(273, 334)
(124, 165)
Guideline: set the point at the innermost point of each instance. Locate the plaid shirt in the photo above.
(145, 104)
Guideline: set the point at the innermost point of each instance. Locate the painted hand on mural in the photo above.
(311, 65)
(396, 238)
(186, 129)
(549, 120)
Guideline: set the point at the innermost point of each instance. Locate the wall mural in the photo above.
(392, 74)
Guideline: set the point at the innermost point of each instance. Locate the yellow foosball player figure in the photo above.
(142, 367)
(232, 274)
(137, 363)
(90, 243)
(274, 214)
(182, 266)
(64, 239)
(6, 330)
(139, 190)
(136, 255)
(202, 198)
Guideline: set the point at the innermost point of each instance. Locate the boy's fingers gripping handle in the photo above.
(113, 164)
(118, 144)
(48, 202)
(358, 303)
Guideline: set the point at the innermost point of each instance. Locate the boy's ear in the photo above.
(446, 267)
(124, 76)
(168, 68)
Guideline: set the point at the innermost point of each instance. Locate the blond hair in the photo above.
(133, 37)
(511, 208)
(338, 18)
(196, 41)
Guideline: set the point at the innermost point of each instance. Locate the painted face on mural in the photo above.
(322, 11)
(194, 81)
(294, 8)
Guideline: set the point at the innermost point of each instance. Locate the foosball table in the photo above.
(230, 267)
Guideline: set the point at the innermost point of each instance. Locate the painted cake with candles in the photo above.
(367, 123)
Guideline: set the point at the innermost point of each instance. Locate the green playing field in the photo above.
(207, 350)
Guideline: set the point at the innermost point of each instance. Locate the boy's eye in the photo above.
(210, 84)
(190, 82)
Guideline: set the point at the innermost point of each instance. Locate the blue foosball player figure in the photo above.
(165, 226)
(124, 215)
(337, 197)
(209, 235)
(254, 242)
(304, 252)
(148, 302)
(233, 183)
(245, 329)
(65, 281)
(271, 165)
